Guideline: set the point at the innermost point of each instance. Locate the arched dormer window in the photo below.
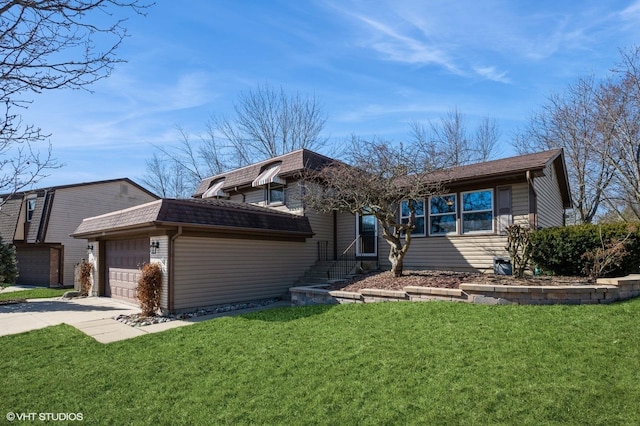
(269, 174)
(272, 183)
(215, 190)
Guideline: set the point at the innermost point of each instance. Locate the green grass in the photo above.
(392, 363)
(36, 293)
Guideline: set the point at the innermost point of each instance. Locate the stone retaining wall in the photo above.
(607, 290)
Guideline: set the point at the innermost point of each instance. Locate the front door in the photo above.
(367, 227)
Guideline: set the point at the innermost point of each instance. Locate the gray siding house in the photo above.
(39, 223)
(246, 234)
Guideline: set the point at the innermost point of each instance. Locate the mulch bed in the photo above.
(449, 279)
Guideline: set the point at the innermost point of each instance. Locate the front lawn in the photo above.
(36, 293)
(392, 363)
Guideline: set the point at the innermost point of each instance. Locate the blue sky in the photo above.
(375, 65)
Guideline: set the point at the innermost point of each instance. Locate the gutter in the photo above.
(533, 201)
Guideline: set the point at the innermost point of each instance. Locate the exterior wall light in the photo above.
(155, 245)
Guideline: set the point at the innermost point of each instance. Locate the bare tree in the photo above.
(48, 45)
(578, 121)
(486, 139)
(268, 123)
(451, 134)
(177, 170)
(624, 155)
(377, 180)
(451, 141)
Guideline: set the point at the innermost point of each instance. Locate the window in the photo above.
(442, 215)
(419, 221)
(31, 207)
(215, 190)
(477, 211)
(275, 193)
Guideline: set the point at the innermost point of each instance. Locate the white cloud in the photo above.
(631, 12)
(403, 48)
(490, 73)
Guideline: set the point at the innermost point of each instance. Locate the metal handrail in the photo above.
(345, 262)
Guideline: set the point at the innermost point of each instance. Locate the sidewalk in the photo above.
(40, 313)
(93, 316)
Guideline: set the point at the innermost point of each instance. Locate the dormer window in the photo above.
(31, 208)
(215, 190)
(268, 175)
(273, 184)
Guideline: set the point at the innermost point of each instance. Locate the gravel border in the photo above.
(137, 320)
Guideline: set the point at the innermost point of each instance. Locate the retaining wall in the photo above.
(607, 290)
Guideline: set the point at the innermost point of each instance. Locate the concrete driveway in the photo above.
(40, 313)
(93, 316)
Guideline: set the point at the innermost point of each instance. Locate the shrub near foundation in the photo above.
(86, 268)
(149, 288)
(561, 250)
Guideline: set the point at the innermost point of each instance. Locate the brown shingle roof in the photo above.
(512, 166)
(291, 163)
(304, 159)
(503, 166)
(210, 213)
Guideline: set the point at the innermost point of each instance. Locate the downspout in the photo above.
(172, 261)
(533, 202)
(335, 235)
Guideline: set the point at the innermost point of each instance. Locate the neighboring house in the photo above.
(39, 223)
(247, 235)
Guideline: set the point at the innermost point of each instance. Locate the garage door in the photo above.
(33, 265)
(124, 258)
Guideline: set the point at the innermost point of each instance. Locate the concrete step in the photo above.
(317, 280)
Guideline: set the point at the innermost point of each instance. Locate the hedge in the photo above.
(558, 251)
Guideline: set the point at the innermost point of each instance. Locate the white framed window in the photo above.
(275, 193)
(443, 215)
(419, 218)
(477, 211)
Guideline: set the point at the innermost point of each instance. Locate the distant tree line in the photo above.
(597, 122)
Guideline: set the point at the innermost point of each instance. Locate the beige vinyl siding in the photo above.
(520, 204)
(550, 209)
(73, 204)
(346, 230)
(213, 271)
(322, 225)
(458, 253)
(293, 198)
(161, 256)
(255, 196)
(238, 198)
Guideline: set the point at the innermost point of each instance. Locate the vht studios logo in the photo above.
(51, 417)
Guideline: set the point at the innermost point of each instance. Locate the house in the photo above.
(39, 223)
(247, 235)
